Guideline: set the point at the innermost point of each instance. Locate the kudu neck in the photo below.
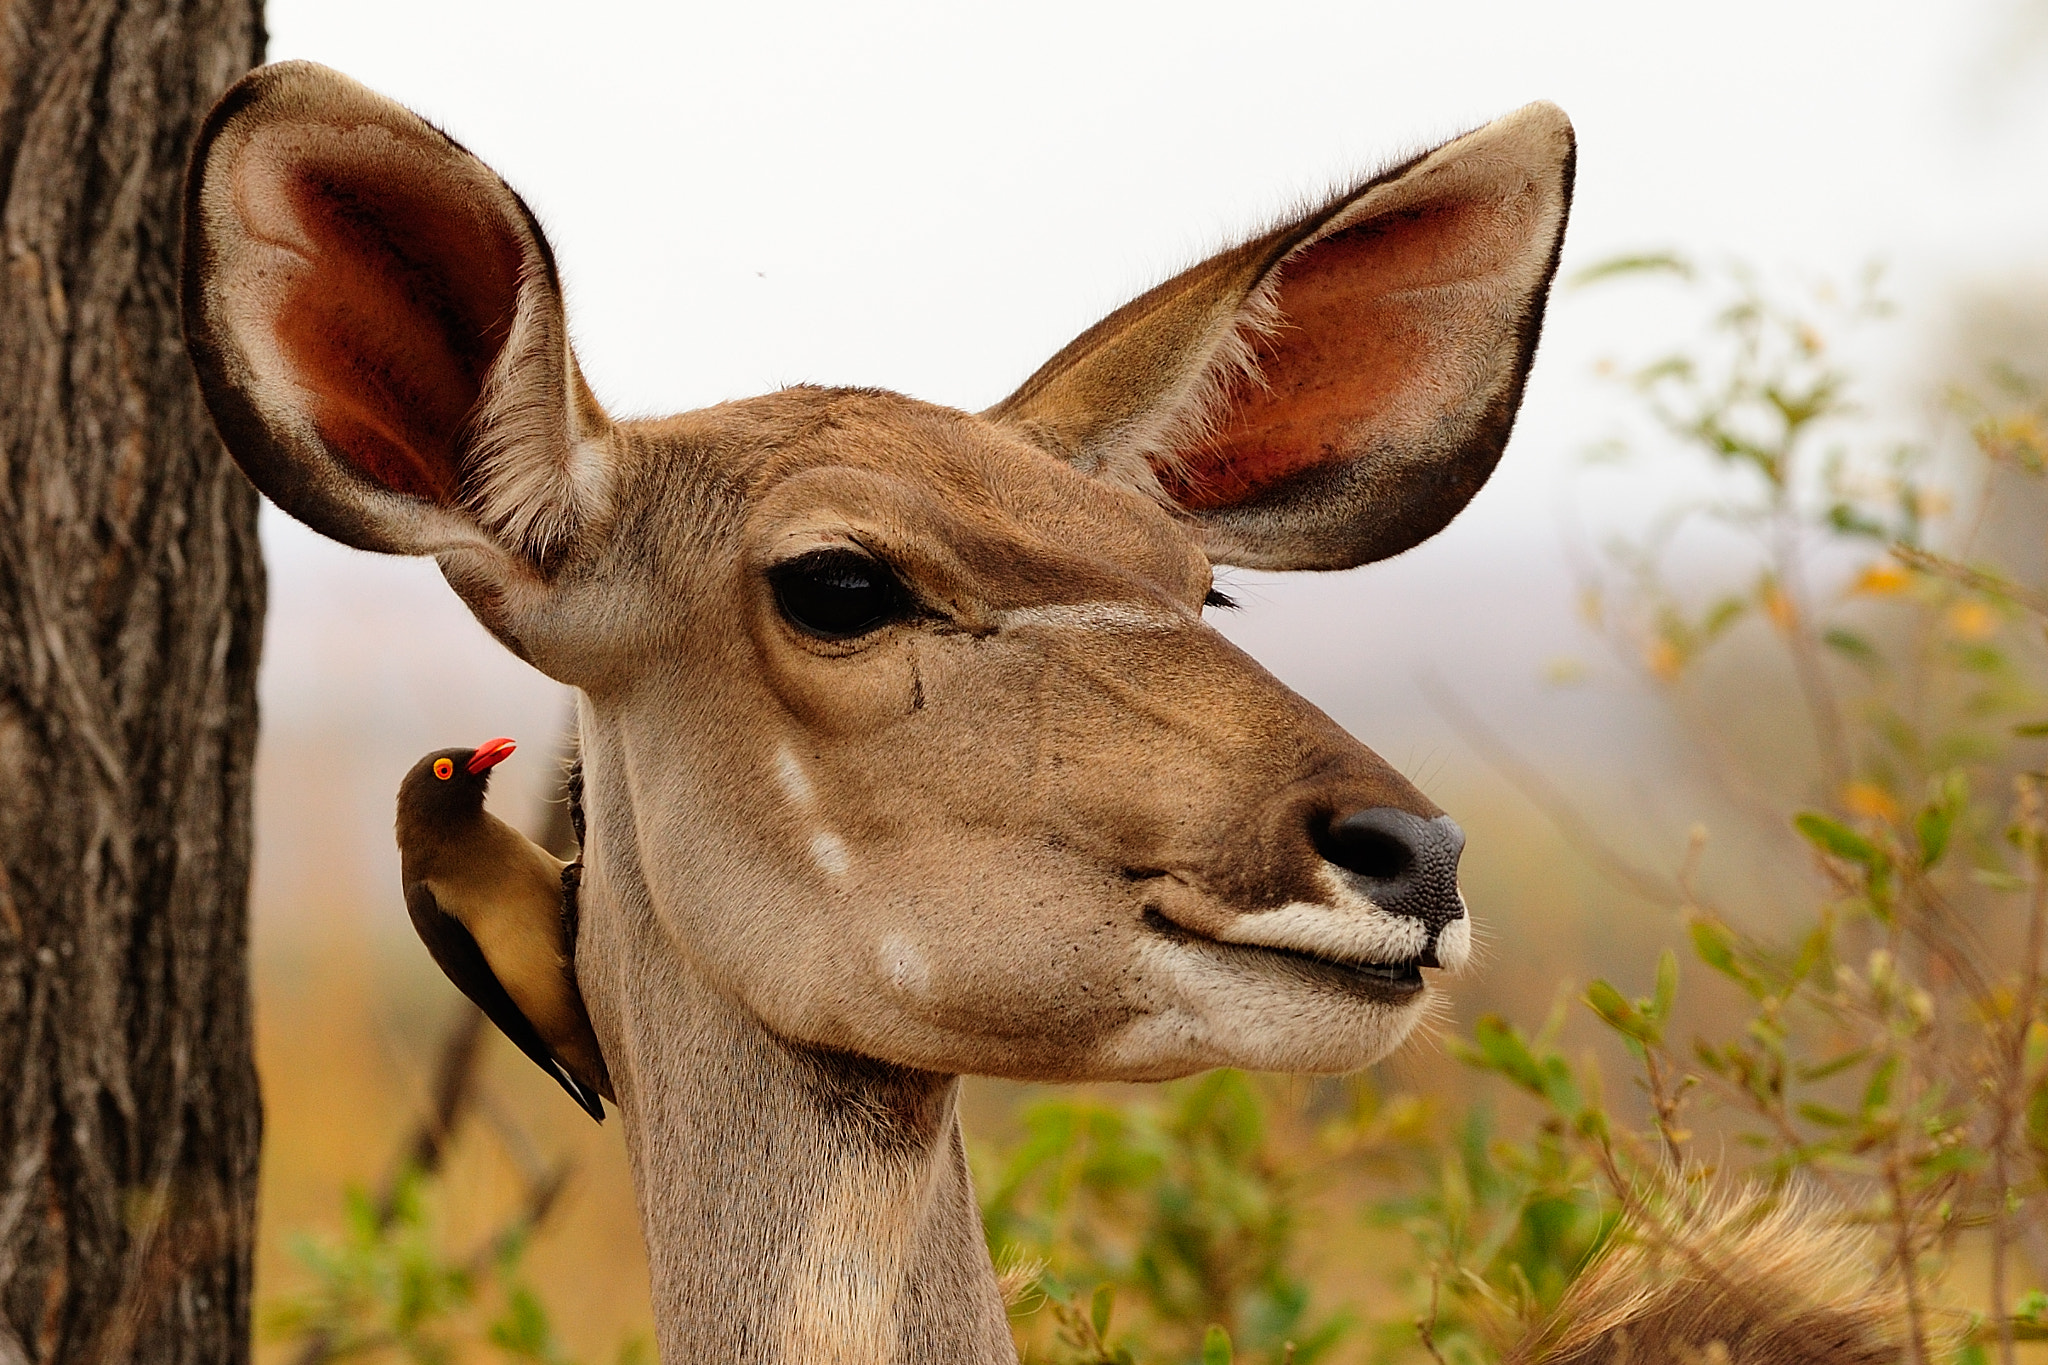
(799, 1206)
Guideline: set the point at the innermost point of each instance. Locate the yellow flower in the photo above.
(1932, 502)
(1664, 660)
(1972, 620)
(2019, 437)
(1870, 801)
(1882, 579)
(1779, 608)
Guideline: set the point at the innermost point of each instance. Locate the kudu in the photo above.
(907, 751)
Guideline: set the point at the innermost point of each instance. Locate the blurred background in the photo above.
(934, 198)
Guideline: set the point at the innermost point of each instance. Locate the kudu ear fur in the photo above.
(1334, 391)
(378, 328)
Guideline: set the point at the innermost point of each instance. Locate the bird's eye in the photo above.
(444, 768)
(838, 594)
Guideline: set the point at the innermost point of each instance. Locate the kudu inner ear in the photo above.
(394, 332)
(1333, 391)
(377, 326)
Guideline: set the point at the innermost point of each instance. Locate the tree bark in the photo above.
(131, 601)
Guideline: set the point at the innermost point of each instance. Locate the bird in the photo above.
(491, 906)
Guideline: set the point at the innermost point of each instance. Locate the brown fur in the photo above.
(1043, 823)
(1725, 1287)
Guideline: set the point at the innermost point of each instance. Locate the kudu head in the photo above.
(903, 726)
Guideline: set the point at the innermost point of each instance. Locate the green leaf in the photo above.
(1666, 993)
(1216, 1347)
(1824, 1116)
(1851, 645)
(1714, 945)
(1996, 880)
(1951, 1161)
(1932, 827)
(2033, 729)
(1722, 615)
(1978, 658)
(523, 1329)
(1609, 1004)
(1099, 1307)
(1878, 1093)
(1837, 840)
(1500, 1047)
(1639, 263)
(1820, 1071)
(1850, 522)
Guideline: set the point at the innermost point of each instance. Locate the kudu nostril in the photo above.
(1407, 865)
(1378, 854)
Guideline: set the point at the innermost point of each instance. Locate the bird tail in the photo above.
(579, 1092)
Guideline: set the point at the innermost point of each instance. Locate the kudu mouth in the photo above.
(1392, 907)
(1383, 982)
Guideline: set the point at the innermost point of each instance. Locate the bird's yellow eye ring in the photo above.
(444, 768)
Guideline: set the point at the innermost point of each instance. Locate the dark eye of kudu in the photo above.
(838, 594)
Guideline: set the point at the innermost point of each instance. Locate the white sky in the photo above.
(934, 198)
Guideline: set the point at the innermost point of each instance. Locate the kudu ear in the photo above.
(378, 328)
(1332, 392)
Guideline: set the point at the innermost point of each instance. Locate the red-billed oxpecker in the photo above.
(489, 904)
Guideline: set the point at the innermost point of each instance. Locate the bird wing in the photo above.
(456, 953)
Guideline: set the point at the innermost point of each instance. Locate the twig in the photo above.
(1907, 1256)
(455, 1084)
(1807, 665)
(1425, 1327)
(423, 1153)
(1929, 562)
(1523, 777)
(1665, 1105)
(2009, 1085)
(541, 1197)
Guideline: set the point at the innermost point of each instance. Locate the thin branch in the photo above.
(1425, 1327)
(2008, 1091)
(1907, 1255)
(1807, 665)
(455, 1074)
(454, 1093)
(1524, 778)
(1977, 579)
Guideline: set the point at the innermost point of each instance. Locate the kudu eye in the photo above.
(837, 594)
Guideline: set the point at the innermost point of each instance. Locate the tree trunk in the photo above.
(131, 601)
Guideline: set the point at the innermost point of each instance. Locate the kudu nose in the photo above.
(1407, 865)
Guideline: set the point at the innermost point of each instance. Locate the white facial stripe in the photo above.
(904, 965)
(1126, 616)
(829, 853)
(790, 776)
